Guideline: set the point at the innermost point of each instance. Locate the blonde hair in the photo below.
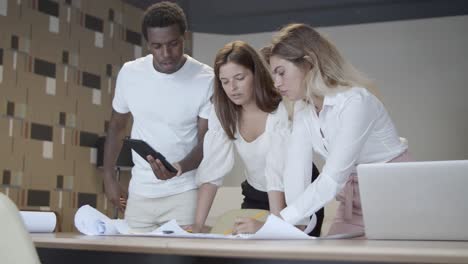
(329, 73)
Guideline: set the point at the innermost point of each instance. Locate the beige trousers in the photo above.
(146, 214)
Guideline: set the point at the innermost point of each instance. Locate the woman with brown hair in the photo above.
(248, 117)
(336, 116)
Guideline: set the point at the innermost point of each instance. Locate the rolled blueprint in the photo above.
(39, 222)
(91, 222)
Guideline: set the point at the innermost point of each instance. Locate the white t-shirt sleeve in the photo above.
(206, 106)
(218, 154)
(119, 103)
(357, 119)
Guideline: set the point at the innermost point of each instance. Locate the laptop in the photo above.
(415, 200)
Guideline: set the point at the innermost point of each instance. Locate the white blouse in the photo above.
(352, 128)
(263, 158)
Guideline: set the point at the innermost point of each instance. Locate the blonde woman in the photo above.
(335, 116)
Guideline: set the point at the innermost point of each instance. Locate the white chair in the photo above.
(16, 245)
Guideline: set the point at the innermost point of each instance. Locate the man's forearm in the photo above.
(113, 143)
(193, 159)
(111, 150)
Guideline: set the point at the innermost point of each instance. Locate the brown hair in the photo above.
(330, 72)
(265, 95)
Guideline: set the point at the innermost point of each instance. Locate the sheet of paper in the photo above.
(276, 228)
(172, 229)
(169, 229)
(39, 222)
(91, 222)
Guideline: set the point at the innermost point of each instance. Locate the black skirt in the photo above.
(255, 199)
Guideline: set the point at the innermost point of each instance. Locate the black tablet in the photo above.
(143, 149)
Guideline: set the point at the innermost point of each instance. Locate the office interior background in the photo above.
(59, 60)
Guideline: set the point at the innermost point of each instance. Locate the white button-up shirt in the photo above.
(352, 128)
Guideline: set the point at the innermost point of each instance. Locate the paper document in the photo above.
(91, 222)
(276, 228)
(39, 222)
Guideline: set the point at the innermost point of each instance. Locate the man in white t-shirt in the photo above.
(168, 94)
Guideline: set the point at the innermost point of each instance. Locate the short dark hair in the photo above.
(163, 14)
